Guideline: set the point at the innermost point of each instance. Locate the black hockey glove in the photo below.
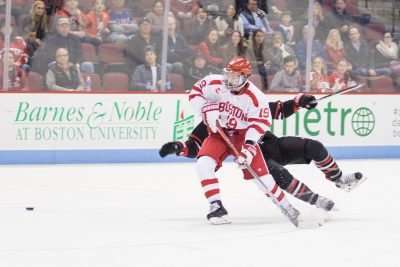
(305, 101)
(171, 148)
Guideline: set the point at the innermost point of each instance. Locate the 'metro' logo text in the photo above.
(330, 120)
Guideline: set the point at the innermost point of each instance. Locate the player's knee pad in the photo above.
(281, 176)
(205, 166)
(315, 150)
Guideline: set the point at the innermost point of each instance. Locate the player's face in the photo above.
(234, 80)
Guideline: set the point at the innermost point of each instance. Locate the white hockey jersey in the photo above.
(248, 110)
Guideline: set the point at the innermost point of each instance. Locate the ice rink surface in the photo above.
(154, 215)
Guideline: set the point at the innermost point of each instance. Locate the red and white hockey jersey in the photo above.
(247, 111)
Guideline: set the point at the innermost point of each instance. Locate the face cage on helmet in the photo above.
(234, 87)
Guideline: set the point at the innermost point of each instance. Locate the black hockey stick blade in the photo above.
(340, 92)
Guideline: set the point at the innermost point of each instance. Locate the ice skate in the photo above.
(218, 214)
(350, 181)
(171, 148)
(292, 213)
(325, 204)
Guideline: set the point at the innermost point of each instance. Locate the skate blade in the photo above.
(219, 220)
(352, 187)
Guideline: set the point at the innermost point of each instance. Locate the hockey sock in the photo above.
(329, 167)
(211, 189)
(267, 183)
(302, 191)
(205, 170)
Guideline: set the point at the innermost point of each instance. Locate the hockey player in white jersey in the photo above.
(242, 110)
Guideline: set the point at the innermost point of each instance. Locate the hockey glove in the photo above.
(172, 148)
(305, 101)
(211, 115)
(246, 155)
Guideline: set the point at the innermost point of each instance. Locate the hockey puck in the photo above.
(29, 208)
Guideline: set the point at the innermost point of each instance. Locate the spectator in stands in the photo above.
(319, 81)
(156, 18)
(60, 39)
(340, 78)
(288, 79)
(63, 75)
(184, 10)
(32, 44)
(235, 47)
(358, 53)
(178, 50)
(339, 19)
(278, 52)
(16, 79)
(200, 25)
(133, 48)
(257, 54)
(319, 24)
(213, 7)
(198, 69)
(228, 23)
(78, 21)
(97, 24)
(301, 48)
(297, 7)
(334, 48)
(286, 28)
(52, 6)
(18, 46)
(122, 23)
(211, 48)
(36, 21)
(253, 19)
(147, 77)
(386, 55)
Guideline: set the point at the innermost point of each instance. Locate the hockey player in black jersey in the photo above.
(280, 151)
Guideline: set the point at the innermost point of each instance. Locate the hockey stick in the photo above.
(342, 91)
(295, 221)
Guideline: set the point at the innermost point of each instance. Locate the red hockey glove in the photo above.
(246, 155)
(211, 115)
(305, 101)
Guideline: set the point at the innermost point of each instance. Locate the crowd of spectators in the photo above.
(62, 42)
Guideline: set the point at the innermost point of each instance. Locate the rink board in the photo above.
(113, 127)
